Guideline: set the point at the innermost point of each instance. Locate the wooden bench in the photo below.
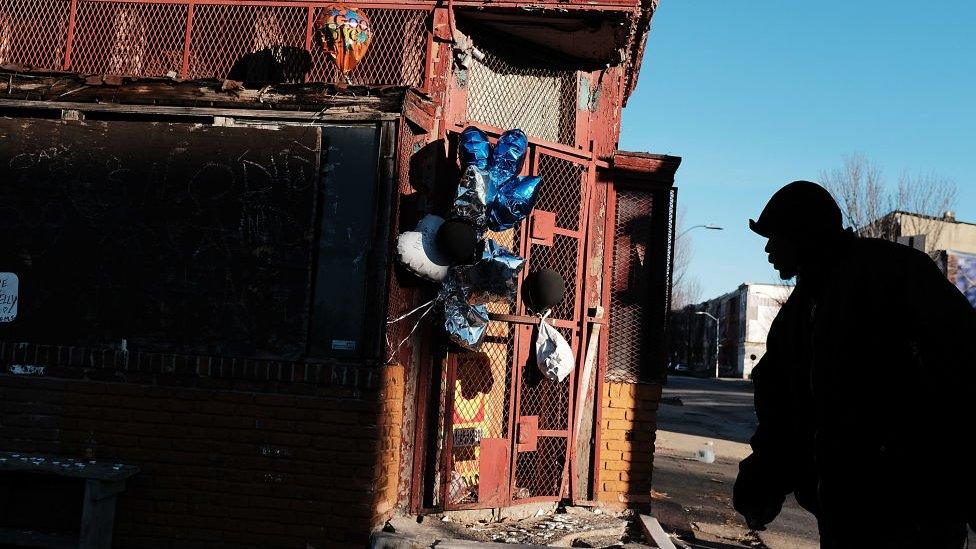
(103, 482)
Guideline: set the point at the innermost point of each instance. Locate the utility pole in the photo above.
(709, 315)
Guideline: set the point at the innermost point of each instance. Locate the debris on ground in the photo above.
(567, 527)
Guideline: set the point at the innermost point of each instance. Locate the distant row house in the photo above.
(744, 317)
(745, 314)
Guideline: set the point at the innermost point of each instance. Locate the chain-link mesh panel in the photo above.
(482, 384)
(561, 257)
(561, 190)
(630, 286)
(146, 38)
(540, 101)
(543, 397)
(540, 473)
(223, 34)
(395, 57)
(129, 38)
(669, 280)
(34, 32)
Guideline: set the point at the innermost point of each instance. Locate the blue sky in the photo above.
(753, 95)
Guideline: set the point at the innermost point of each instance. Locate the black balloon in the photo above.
(457, 239)
(543, 289)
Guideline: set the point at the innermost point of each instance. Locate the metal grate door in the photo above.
(510, 435)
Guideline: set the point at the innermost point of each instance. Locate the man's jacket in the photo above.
(866, 397)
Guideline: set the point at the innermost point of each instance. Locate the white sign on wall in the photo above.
(9, 284)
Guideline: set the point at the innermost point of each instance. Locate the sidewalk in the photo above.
(697, 496)
(702, 494)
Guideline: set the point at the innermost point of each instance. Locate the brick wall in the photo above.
(390, 424)
(628, 424)
(229, 457)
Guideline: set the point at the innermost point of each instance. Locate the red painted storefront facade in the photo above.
(248, 444)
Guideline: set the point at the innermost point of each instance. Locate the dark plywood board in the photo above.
(175, 237)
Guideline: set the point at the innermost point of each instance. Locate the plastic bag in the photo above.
(552, 353)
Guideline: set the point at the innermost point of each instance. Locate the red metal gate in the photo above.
(508, 435)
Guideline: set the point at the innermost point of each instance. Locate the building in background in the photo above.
(951, 244)
(927, 233)
(744, 315)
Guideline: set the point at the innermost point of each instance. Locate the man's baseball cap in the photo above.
(802, 208)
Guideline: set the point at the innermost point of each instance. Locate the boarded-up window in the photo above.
(185, 238)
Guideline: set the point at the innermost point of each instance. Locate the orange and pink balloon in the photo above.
(345, 33)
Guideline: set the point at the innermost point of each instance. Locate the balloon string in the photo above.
(430, 306)
(412, 311)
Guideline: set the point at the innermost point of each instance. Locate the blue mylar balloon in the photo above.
(473, 148)
(512, 202)
(507, 158)
(464, 323)
(472, 197)
(492, 278)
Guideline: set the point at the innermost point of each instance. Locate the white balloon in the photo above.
(418, 252)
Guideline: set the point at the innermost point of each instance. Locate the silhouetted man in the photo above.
(866, 394)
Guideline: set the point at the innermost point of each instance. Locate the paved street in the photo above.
(720, 411)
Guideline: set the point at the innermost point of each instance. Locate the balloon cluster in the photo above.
(474, 270)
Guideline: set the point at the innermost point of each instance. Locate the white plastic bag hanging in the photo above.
(552, 354)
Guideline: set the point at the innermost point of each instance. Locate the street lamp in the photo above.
(716, 338)
(710, 226)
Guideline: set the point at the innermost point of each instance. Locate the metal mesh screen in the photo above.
(543, 407)
(561, 257)
(148, 38)
(34, 32)
(540, 101)
(128, 38)
(561, 190)
(481, 407)
(630, 283)
(544, 397)
(243, 29)
(540, 473)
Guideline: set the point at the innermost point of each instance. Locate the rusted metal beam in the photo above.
(639, 167)
(370, 116)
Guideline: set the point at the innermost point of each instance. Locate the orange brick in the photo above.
(618, 466)
(637, 458)
(648, 391)
(619, 425)
(619, 445)
(622, 402)
(614, 486)
(635, 476)
(644, 416)
(612, 435)
(615, 413)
